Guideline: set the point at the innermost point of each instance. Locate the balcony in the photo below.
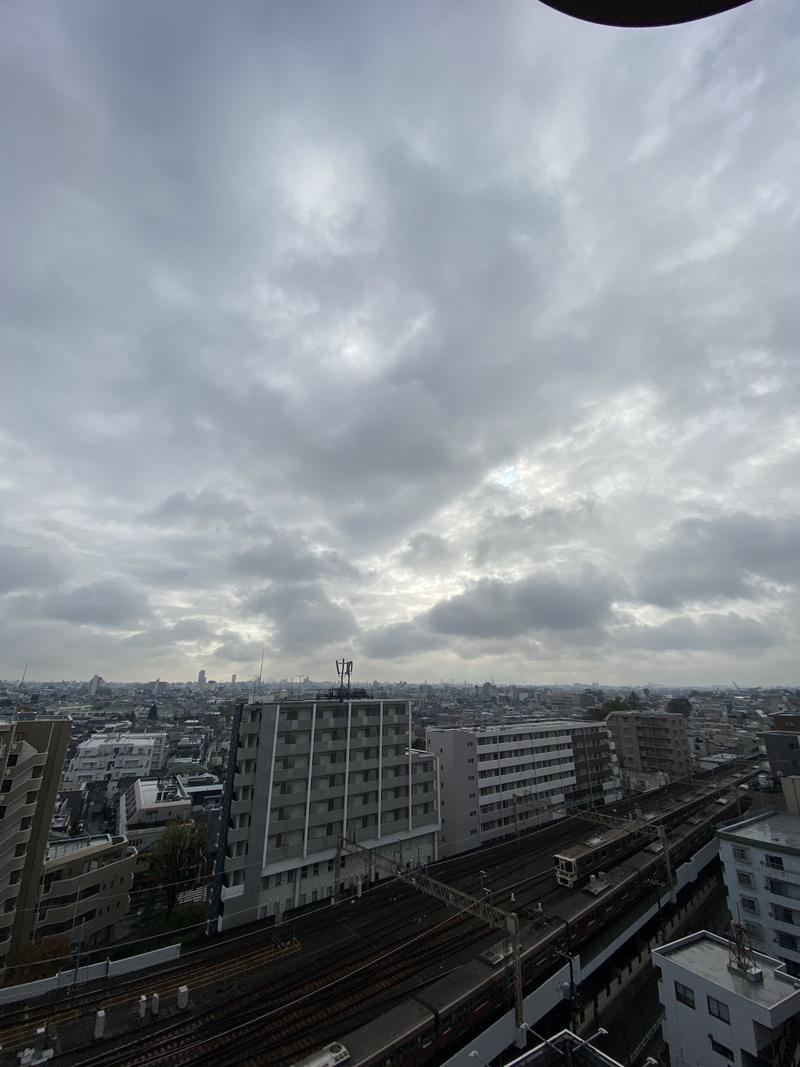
(242, 780)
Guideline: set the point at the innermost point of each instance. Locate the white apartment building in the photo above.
(761, 857)
(113, 756)
(500, 780)
(719, 1012)
(308, 771)
(146, 808)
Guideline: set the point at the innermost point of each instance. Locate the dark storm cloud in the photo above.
(493, 608)
(729, 556)
(237, 649)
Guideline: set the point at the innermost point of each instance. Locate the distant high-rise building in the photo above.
(201, 680)
(307, 771)
(156, 688)
(233, 679)
(31, 758)
(95, 682)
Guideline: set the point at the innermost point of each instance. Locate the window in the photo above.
(740, 854)
(684, 995)
(754, 929)
(749, 904)
(775, 862)
(786, 940)
(744, 878)
(719, 1011)
(721, 1050)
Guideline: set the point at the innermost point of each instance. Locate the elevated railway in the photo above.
(271, 997)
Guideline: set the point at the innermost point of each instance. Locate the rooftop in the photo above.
(98, 740)
(56, 850)
(707, 956)
(150, 792)
(778, 831)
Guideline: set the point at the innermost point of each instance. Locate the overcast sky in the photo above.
(459, 337)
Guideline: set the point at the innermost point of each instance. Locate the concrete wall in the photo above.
(542, 1000)
(107, 969)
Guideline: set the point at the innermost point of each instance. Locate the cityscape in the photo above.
(399, 533)
(534, 860)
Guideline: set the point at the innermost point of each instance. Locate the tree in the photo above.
(179, 857)
(679, 706)
(153, 712)
(617, 704)
(633, 700)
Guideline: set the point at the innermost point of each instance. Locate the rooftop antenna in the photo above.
(740, 951)
(261, 672)
(344, 670)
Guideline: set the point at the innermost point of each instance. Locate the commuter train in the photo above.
(432, 1023)
(574, 864)
(331, 1056)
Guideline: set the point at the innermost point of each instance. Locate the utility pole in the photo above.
(463, 903)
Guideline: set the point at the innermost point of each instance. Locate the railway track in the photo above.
(370, 938)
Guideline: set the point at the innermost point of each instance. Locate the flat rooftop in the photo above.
(707, 956)
(56, 850)
(779, 831)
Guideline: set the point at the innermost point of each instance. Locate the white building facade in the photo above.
(761, 857)
(110, 757)
(500, 780)
(718, 1013)
(308, 771)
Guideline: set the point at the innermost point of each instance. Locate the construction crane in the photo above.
(508, 921)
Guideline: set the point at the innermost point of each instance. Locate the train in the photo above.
(332, 1055)
(429, 1025)
(585, 860)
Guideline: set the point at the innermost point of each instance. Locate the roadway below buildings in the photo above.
(270, 995)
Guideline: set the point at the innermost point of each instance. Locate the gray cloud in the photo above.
(709, 632)
(303, 617)
(493, 608)
(23, 568)
(316, 321)
(728, 556)
(111, 602)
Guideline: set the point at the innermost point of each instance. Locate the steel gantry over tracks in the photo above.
(507, 921)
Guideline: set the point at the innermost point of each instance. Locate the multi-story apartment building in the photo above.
(31, 759)
(718, 1011)
(761, 858)
(308, 771)
(110, 758)
(499, 780)
(783, 752)
(146, 808)
(651, 743)
(84, 888)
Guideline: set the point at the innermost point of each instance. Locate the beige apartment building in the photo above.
(31, 759)
(85, 888)
(649, 743)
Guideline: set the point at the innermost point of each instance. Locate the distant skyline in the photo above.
(461, 339)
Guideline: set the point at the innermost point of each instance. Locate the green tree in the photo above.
(40, 959)
(153, 712)
(633, 700)
(617, 704)
(179, 857)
